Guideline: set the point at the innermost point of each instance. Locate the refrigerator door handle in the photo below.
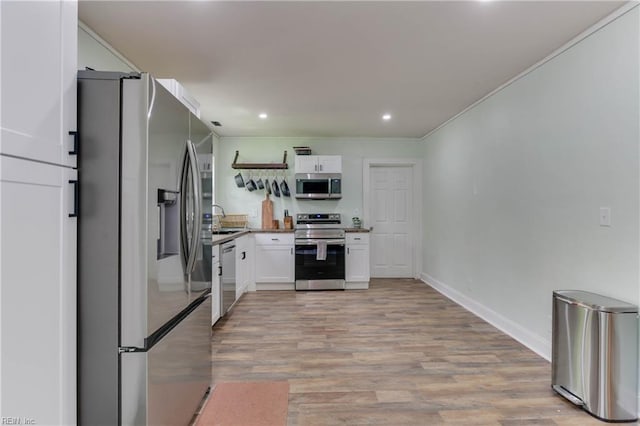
(197, 206)
(153, 96)
(585, 347)
(189, 237)
(184, 240)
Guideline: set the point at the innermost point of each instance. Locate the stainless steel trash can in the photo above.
(594, 361)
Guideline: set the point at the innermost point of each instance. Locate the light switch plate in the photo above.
(605, 216)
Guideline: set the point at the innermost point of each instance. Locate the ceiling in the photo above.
(333, 68)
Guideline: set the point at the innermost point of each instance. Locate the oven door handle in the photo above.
(315, 242)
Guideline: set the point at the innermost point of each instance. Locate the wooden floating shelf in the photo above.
(271, 166)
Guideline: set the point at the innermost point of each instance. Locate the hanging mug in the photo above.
(239, 180)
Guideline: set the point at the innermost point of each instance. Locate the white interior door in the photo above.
(391, 213)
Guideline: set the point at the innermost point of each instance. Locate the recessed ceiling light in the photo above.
(386, 117)
(263, 115)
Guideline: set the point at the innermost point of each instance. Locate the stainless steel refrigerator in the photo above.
(144, 276)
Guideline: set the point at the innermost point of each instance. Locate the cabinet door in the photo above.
(216, 299)
(38, 283)
(306, 164)
(357, 263)
(249, 265)
(330, 163)
(274, 264)
(242, 271)
(38, 79)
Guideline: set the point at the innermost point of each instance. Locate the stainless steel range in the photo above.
(320, 252)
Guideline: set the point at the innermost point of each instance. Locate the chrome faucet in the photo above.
(221, 209)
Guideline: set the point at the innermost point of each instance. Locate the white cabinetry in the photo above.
(244, 265)
(274, 261)
(216, 299)
(181, 94)
(318, 164)
(39, 57)
(38, 237)
(38, 284)
(357, 273)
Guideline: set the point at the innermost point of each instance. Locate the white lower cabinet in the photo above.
(216, 299)
(38, 285)
(244, 265)
(357, 273)
(274, 261)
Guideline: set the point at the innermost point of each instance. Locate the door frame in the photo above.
(416, 167)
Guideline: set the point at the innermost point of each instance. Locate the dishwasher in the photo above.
(228, 278)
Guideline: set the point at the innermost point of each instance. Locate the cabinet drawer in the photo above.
(357, 238)
(274, 239)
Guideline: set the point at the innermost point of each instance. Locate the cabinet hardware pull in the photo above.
(76, 198)
(74, 151)
(275, 239)
(347, 250)
(291, 250)
(219, 271)
(244, 255)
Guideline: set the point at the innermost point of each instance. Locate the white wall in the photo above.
(93, 52)
(513, 188)
(271, 150)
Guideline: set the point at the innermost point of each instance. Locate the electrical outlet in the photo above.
(605, 216)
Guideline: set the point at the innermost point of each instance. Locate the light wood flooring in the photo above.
(397, 354)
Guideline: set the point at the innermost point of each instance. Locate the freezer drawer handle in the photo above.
(76, 198)
(74, 151)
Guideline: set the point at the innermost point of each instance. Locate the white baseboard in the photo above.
(532, 341)
(275, 286)
(357, 285)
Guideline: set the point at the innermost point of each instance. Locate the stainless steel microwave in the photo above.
(318, 186)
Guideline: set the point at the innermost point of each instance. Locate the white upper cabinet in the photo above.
(318, 164)
(38, 79)
(183, 96)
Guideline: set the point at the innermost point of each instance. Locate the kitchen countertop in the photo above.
(217, 239)
(279, 230)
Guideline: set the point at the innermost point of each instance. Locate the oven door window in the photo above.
(309, 268)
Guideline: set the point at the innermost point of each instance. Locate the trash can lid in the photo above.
(595, 301)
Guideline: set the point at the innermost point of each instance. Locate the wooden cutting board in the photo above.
(267, 213)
